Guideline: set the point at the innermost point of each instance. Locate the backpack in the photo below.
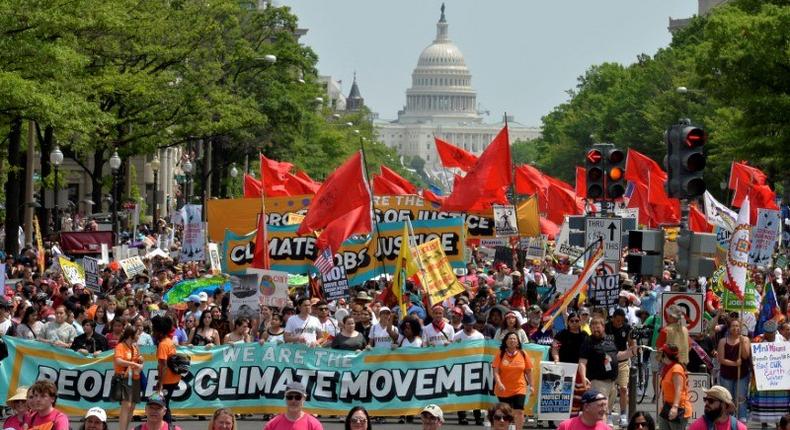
(179, 364)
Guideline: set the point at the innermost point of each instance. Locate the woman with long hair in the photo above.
(29, 327)
(512, 376)
(222, 419)
(129, 365)
(411, 332)
(735, 364)
(203, 334)
(349, 338)
(676, 410)
(275, 333)
(358, 419)
(641, 421)
(101, 320)
(510, 325)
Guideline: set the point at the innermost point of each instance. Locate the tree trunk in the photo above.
(47, 143)
(96, 181)
(12, 188)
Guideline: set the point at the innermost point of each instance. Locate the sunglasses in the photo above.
(501, 417)
(358, 420)
(323, 309)
(574, 320)
(293, 397)
(640, 424)
(710, 400)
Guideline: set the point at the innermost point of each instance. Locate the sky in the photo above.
(524, 55)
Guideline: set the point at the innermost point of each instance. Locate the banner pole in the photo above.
(372, 202)
(263, 214)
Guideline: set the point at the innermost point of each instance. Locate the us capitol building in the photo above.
(441, 102)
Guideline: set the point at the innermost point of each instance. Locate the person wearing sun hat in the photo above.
(717, 413)
(95, 419)
(18, 403)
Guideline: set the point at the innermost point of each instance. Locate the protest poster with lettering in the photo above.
(556, 390)
(436, 275)
(193, 241)
(273, 287)
(771, 363)
(214, 260)
(765, 236)
(335, 284)
(505, 224)
(72, 272)
(132, 266)
(244, 296)
(91, 266)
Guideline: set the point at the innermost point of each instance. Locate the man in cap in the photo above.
(294, 416)
(466, 334)
(155, 411)
(594, 406)
(384, 334)
(438, 331)
(193, 307)
(619, 332)
(717, 414)
(432, 417)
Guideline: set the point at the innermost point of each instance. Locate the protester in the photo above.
(89, 342)
(203, 334)
(18, 404)
(567, 348)
(384, 334)
(717, 413)
(349, 339)
(116, 330)
(641, 421)
(466, 334)
(29, 326)
(294, 417)
(167, 383)
(222, 419)
(735, 364)
(328, 324)
(510, 325)
(59, 332)
(432, 417)
(155, 414)
(128, 365)
(595, 409)
(240, 333)
(619, 331)
(676, 410)
(438, 332)
(500, 416)
(358, 419)
(95, 419)
(512, 376)
(275, 333)
(41, 398)
(303, 328)
(676, 333)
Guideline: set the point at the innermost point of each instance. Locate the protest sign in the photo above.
(132, 266)
(732, 303)
(533, 247)
(436, 275)
(91, 266)
(183, 289)
(563, 281)
(494, 242)
(244, 293)
(120, 252)
(771, 363)
(362, 259)
(388, 383)
(505, 223)
(192, 243)
(72, 272)
(273, 286)
(335, 284)
(213, 258)
(556, 390)
(764, 237)
(604, 290)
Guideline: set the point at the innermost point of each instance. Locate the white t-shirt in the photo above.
(380, 337)
(306, 329)
(434, 337)
(5, 325)
(404, 343)
(330, 327)
(462, 336)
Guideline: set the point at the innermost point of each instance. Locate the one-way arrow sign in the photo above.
(610, 230)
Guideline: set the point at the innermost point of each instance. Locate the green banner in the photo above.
(733, 304)
(251, 378)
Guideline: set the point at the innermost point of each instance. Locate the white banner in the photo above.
(214, 260)
(556, 390)
(244, 294)
(764, 237)
(273, 286)
(192, 246)
(771, 363)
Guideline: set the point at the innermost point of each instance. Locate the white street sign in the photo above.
(611, 230)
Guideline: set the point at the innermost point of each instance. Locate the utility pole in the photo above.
(31, 151)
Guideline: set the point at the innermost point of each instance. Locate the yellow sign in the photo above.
(41, 257)
(294, 219)
(73, 272)
(436, 274)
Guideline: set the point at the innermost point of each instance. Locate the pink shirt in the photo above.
(576, 423)
(306, 422)
(13, 423)
(55, 420)
(700, 424)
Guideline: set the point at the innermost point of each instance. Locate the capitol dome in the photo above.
(441, 83)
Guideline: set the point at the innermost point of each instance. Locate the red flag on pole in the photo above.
(453, 156)
(581, 182)
(393, 177)
(260, 259)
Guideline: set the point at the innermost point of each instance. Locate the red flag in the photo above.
(433, 197)
(638, 166)
(639, 200)
(697, 221)
(530, 180)
(252, 187)
(548, 228)
(274, 175)
(303, 175)
(559, 200)
(297, 185)
(260, 259)
(383, 187)
(581, 182)
(398, 180)
(485, 184)
(453, 156)
(741, 174)
(341, 206)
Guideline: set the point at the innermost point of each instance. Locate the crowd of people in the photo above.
(505, 301)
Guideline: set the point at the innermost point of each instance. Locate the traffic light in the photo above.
(685, 161)
(695, 252)
(646, 252)
(615, 173)
(593, 162)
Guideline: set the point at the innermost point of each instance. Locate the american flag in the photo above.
(325, 261)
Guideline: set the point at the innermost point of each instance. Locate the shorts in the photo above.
(131, 392)
(607, 387)
(516, 402)
(623, 373)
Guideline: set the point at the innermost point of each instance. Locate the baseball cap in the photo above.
(433, 410)
(591, 396)
(98, 413)
(295, 387)
(156, 399)
(770, 326)
(203, 296)
(194, 298)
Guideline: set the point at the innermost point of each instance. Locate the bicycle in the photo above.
(642, 335)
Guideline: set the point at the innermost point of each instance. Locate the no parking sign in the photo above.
(691, 303)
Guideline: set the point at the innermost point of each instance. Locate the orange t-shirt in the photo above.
(668, 388)
(90, 313)
(511, 373)
(165, 349)
(123, 352)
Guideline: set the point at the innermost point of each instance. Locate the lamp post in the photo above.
(56, 159)
(115, 164)
(234, 172)
(187, 168)
(155, 164)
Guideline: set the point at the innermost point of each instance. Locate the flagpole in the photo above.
(372, 202)
(445, 179)
(263, 214)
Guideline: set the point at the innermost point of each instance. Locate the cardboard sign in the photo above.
(436, 275)
(193, 241)
(214, 259)
(533, 247)
(91, 266)
(132, 266)
(273, 286)
(244, 297)
(698, 383)
(563, 282)
(771, 363)
(505, 223)
(765, 236)
(72, 272)
(335, 284)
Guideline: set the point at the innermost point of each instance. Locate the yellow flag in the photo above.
(404, 268)
(528, 217)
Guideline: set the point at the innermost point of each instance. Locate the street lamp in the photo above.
(187, 168)
(115, 165)
(56, 159)
(234, 172)
(155, 165)
(269, 59)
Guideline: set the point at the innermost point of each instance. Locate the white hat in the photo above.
(98, 413)
(385, 309)
(203, 296)
(434, 410)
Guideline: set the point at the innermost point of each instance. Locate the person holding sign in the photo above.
(512, 376)
(735, 359)
(768, 406)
